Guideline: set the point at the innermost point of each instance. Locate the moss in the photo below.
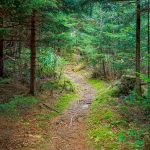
(5, 80)
(17, 104)
(107, 127)
(64, 101)
(63, 84)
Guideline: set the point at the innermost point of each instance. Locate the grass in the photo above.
(5, 80)
(107, 127)
(61, 85)
(65, 86)
(64, 101)
(61, 104)
(17, 104)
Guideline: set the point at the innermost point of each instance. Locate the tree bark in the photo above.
(148, 50)
(90, 9)
(101, 44)
(33, 55)
(103, 61)
(1, 53)
(138, 52)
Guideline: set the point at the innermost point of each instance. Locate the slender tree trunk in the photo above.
(148, 49)
(1, 53)
(104, 70)
(101, 50)
(33, 54)
(20, 42)
(90, 9)
(1, 58)
(19, 49)
(103, 61)
(138, 53)
(101, 44)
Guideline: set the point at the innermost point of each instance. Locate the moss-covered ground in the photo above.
(109, 126)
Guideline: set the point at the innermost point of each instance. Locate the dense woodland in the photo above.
(106, 41)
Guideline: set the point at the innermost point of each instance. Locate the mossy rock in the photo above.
(126, 84)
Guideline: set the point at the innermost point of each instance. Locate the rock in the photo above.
(85, 106)
(80, 119)
(126, 84)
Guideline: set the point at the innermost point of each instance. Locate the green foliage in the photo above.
(99, 131)
(103, 34)
(50, 64)
(134, 135)
(108, 124)
(103, 135)
(142, 102)
(60, 85)
(17, 104)
(64, 101)
(144, 78)
(5, 80)
(49, 85)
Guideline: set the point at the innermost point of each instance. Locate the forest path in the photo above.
(69, 129)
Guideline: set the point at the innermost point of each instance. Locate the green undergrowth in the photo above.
(67, 90)
(107, 127)
(17, 104)
(59, 106)
(5, 80)
(63, 84)
(64, 101)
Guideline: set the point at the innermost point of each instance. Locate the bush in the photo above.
(125, 85)
(17, 104)
(49, 64)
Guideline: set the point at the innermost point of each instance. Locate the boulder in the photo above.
(126, 84)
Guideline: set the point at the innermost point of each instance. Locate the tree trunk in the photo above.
(101, 44)
(104, 70)
(20, 42)
(148, 49)
(90, 9)
(33, 55)
(138, 53)
(1, 58)
(103, 61)
(1, 53)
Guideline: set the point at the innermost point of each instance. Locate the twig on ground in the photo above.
(48, 107)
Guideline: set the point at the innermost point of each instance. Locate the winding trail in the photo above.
(68, 129)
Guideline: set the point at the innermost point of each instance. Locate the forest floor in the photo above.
(89, 118)
(68, 130)
(28, 125)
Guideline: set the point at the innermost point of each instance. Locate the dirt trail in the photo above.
(68, 129)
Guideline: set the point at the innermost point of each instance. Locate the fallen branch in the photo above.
(48, 107)
(9, 57)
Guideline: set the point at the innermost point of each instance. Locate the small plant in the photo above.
(64, 101)
(5, 80)
(110, 126)
(49, 64)
(17, 104)
(134, 136)
(50, 85)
